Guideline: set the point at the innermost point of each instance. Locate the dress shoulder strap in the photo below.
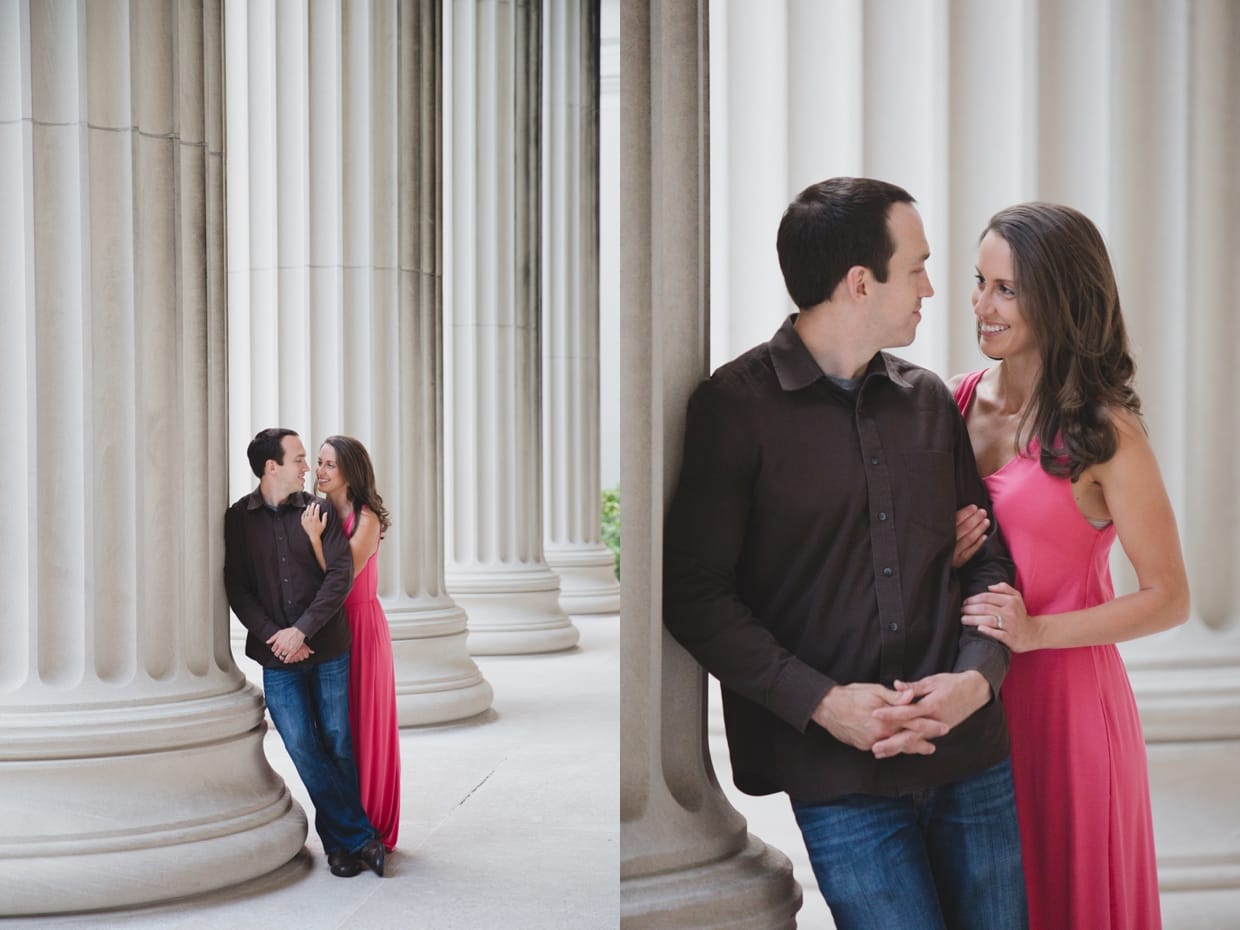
(967, 388)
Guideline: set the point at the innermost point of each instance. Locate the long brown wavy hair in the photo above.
(1070, 300)
(355, 468)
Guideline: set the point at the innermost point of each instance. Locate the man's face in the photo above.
(895, 306)
(291, 476)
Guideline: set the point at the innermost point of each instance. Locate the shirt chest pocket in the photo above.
(925, 495)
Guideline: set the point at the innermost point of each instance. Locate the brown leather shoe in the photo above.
(372, 856)
(344, 865)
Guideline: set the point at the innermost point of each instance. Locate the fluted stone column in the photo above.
(436, 678)
(335, 288)
(1172, 208)
(496, 568)
(131, 763)
(571, 483)
(749, 170)
(687, 859)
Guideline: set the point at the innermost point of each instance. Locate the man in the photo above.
(299, 634)
(808, 566)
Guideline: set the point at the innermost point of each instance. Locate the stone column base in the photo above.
(588, 583)
(436, 680)
(130, 826)
(513, 612)
(1187, 683)
(751, 890)
(1200, 910)
(1193, 792)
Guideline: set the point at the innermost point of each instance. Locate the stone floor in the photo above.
(508, 822)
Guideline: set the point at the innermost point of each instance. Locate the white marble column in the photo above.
(747, 103)
(496, 568)
(609, 243)
(335, 287)
(436, 678)
(570, 303)
(1171, 202)
(131, 765)
(687, 859)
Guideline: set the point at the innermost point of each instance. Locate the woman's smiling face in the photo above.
(327, 474)
(1001, 327)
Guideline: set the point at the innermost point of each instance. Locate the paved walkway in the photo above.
(510, 822)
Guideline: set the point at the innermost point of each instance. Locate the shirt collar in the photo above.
(296, 499)
(892, 368)
(796, 369)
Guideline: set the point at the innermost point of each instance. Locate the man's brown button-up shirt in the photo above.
(808, 544)
(273, 580)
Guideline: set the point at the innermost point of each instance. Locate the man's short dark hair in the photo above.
(832, 226)
(267, 444)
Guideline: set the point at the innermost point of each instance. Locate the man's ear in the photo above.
(270, 466)
(857, 281)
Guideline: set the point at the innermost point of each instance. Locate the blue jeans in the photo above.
(945, 858)
(309, 705)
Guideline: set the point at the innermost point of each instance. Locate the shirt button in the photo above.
(874, 460)
(895, 628)
(886, 572)
(882, 515)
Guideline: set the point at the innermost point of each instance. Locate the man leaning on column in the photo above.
(299, 634)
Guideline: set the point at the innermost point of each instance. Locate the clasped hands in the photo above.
(904, 719)
(289, 645)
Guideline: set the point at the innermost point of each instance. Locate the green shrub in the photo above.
(611, 523)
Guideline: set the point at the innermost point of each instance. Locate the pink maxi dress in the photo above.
(1078, 755)
(372, 701)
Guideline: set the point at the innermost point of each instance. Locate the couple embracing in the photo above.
(301, 574)
(939, 695)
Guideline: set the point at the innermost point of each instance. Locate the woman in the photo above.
(347, 479)
(1056, 429)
